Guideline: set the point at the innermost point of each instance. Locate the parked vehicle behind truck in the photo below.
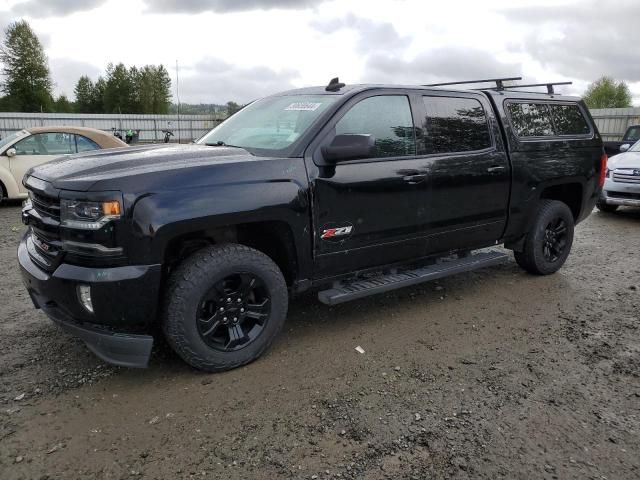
(33, 146)
(348, 190)
(631, 136)
(622, 182)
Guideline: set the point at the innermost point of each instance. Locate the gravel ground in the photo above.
(491, 374)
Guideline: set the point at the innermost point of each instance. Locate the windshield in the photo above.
(273, 123)
(10, 138)
(635, 147)
(633, 135)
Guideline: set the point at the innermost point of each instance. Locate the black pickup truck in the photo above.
(348, 190)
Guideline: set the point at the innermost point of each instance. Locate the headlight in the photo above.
(88, 215)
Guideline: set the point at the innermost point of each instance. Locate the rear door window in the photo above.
(531, 119)
(455, 124)
(85, 144)
(386, 117)
(568, 120)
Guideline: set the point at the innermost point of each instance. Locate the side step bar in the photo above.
(363, 288)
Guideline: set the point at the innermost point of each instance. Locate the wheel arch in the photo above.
(8, 184)
(571, 194)
(270, 217)
(273, 238)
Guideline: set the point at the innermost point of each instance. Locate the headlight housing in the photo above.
(87, 215)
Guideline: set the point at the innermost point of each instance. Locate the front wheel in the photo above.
(225, 306)
(548, 243)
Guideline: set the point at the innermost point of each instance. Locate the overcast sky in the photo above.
(243, 49)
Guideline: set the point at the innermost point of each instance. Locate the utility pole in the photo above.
(178, 96)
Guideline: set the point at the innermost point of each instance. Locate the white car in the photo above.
(622, 183)
(33, 146)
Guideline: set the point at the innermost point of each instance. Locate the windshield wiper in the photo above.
(220, 143)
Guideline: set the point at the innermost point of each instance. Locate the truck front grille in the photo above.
(626, 175)
(45, 205)
(42, 214)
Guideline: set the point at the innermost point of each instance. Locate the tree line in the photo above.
(28, 87)
(125, 90)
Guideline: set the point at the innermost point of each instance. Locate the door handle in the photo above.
(496, 168)
(414, 179)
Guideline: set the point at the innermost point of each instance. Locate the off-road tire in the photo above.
(532, 257)
(603, 207)
(198, 273)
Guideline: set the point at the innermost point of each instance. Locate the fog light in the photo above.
(84, 295)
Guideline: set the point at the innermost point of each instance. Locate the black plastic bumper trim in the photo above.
(122, 349)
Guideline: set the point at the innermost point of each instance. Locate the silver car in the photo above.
(622, 183)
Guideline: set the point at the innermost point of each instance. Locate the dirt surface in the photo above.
(483, 375)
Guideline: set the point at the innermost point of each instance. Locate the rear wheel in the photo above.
(603, 207)
(225, 306)
(548, 243)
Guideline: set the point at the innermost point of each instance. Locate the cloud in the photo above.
(373, 36)
(586, 42)
(224, 6)
(66, 72)
(54, 8)
(214, 81)
(438, 65)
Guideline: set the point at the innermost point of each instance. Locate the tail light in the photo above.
(603, 169)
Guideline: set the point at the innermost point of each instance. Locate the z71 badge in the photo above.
(331, 233)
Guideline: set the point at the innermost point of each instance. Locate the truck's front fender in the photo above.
(160, 218)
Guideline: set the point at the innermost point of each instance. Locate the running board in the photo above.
(345, 292)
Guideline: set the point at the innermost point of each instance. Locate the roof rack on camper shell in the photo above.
(500, 84)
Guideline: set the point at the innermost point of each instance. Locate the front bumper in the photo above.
(124, 299)
(620, 193)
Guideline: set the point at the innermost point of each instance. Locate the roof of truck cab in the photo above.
(354, 89)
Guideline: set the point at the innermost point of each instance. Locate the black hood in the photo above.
(81, 172)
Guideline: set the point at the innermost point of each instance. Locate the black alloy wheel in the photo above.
(555, 240)
(547, 243)
(224, 306)
(234, 312)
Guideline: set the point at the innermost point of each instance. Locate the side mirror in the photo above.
(11, 152)
(625, 147)
(350, 147)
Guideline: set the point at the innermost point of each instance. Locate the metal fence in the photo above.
(613, 122)
(185, 127)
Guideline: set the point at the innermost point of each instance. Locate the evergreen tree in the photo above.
(232, 107)
(6, 104)
(162, 90)
(135, 84)
(25, 68)
(99, 89)
(119, 90)
(85, 95)
(63, 105)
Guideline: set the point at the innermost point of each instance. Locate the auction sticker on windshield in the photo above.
(303, 106)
